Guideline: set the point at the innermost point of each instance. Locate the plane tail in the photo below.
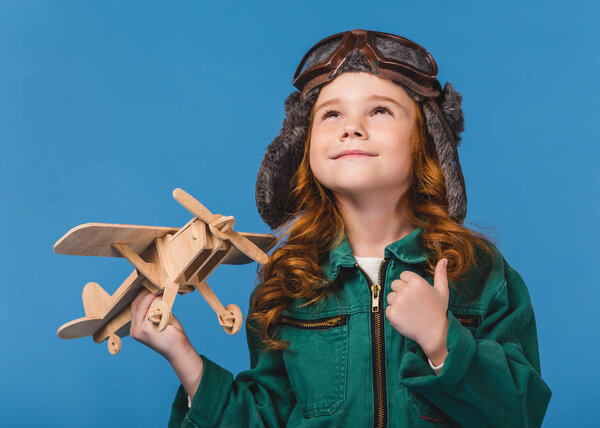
(96, 300)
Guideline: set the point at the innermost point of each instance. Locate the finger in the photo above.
(143, 292)
(397, 285)
(391, 298)
(148, 305)
(138, 314)
(408, 275)
(440, 278)
(135, 304)
(389, 315)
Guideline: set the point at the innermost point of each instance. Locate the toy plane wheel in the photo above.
(114, 344)
(159, 315)
(233, 318)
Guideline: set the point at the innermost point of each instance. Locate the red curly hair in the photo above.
(317, 226)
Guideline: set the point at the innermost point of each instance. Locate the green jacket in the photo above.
(347, 366)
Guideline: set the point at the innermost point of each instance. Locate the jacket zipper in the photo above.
(316, 324)
(378, 347)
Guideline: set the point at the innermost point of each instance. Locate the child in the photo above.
(378, 307)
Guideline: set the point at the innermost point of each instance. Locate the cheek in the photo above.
(317, 154)
(398, 165)
(316, 165)
(403, 148)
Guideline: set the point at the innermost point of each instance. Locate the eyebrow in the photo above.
(371, 98)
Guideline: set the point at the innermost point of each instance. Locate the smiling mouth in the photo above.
(353, 154)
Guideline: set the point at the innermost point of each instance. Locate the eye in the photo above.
(330, 113)
(382, 109)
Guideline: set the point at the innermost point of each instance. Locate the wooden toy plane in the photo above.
(166, 260)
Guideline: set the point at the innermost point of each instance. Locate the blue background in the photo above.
(106, 107)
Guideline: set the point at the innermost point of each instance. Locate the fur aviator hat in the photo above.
(443, 119)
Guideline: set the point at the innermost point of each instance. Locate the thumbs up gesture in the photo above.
(419, 311)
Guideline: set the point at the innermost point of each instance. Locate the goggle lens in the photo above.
(320, 53)
(399, 51)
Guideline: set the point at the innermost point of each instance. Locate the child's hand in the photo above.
(419, 311)
(167, 342)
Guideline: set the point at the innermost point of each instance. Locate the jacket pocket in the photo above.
(317, 362)
(469, 320)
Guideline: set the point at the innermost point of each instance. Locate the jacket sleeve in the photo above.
(492, 377)
(258, 397)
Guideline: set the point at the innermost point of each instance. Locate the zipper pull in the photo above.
(334, 322)
(375, 289)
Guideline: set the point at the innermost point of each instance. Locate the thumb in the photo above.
(440, 278)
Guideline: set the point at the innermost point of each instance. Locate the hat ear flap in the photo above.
(450, 102)
(447, 154)
(282, 159)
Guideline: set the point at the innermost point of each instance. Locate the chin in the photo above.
(358, 189)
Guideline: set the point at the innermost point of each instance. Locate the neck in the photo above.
(372, 223)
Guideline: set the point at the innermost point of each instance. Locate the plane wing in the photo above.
(96, 239)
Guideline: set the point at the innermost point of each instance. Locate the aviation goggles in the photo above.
(390, 56)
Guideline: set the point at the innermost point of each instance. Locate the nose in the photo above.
(353, 130)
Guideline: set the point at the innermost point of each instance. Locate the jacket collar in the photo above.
(407, 249)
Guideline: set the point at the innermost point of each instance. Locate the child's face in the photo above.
(361, 136)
